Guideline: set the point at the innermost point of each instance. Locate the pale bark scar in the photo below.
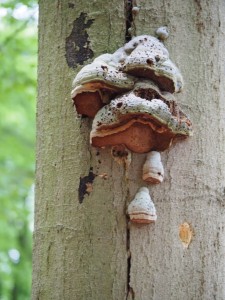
(185, 234)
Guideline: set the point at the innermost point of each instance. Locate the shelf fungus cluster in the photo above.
(130, 95)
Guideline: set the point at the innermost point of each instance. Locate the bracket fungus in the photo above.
(142, 209)
(148, 90)
(148, 57)
(141, 125)
(96, 83)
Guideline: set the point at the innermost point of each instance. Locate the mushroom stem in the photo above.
(153, 171)
(142, 209)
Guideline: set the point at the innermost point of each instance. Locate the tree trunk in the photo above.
(84, 247)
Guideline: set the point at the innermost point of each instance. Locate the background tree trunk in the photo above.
(82, 250)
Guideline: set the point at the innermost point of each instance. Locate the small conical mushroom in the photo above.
(96, 83)
(153, 171)
(162, 33)
(147, 57)
(142, 209)
(139, 124)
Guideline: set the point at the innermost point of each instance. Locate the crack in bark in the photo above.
(128, 4)
(129, 19)
(130, 291)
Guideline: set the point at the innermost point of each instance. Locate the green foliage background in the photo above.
(18, 63)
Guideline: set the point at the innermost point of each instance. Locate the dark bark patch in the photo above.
(85, 187)
(77, 43)
(199, 22)
(71, 5)
(129, 19)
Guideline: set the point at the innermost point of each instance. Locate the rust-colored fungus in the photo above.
(141, 125)
(88, 103)
(97, 83)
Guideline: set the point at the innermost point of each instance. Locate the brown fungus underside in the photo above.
(88, 103)
(140, 124)
(141, 133)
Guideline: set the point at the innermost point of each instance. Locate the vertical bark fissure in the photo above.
(128, 4)
(128, 19)
(130, 291)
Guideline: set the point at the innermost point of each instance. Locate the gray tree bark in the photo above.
(86, 249)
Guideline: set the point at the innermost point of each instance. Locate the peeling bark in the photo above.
(78, 43)
(86, 185)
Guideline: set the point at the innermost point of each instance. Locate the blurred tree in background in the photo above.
(18, 61)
